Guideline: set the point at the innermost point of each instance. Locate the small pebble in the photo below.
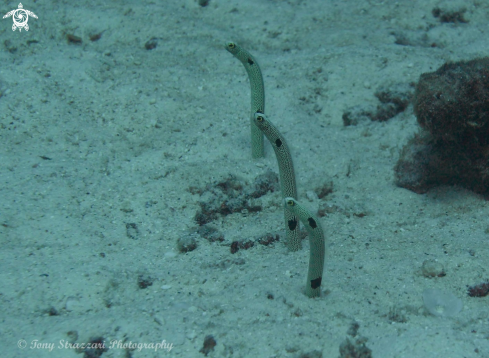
(432, 268)
(311, 195)
(170, 254)
(187, 242)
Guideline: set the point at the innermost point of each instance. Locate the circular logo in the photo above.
(20, 17)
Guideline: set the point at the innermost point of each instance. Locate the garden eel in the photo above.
(257, 94)
(287, 176)
(316, 243)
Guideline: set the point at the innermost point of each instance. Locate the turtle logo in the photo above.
(20, 17)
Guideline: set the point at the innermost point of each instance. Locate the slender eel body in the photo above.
(257, 94)
(287, 176)
(316, 243)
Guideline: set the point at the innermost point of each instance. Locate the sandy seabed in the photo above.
(103, 135)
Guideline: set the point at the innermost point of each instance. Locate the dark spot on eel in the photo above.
(292, 224)
(312, 223)
(316, 282)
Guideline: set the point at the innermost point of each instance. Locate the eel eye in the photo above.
(259, 118)
(231, 45)
(290, 202)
